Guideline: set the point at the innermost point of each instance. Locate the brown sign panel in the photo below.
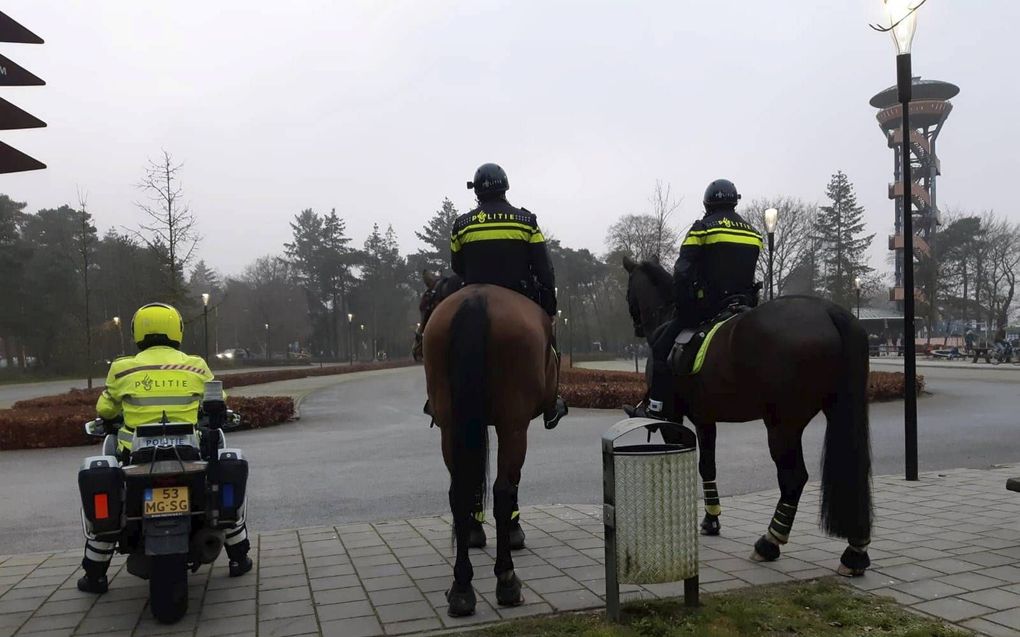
(11, 31)
(12, 117)
(13, 160)
(13, 75)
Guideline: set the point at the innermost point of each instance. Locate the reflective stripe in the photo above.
(239, 536)
(537, 237)
(732, 238)
(159, 401)
(167, 367)
(124, 435)
(502, 225)
(492, 233)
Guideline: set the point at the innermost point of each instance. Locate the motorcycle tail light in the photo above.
(102, 505)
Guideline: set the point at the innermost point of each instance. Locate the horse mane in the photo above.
(659, 277)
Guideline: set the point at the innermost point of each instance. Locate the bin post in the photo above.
(681, 470)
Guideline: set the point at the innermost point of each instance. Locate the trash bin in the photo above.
(650, 511)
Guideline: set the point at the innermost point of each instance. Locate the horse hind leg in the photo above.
(509, 534)
(788, 454)
(706, 468)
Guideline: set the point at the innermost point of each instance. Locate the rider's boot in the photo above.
(94, 580)
(553, 415)
(659, 404)
(240, 563)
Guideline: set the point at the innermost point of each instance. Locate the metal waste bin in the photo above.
(650, 511)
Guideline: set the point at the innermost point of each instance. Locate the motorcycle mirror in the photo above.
(95, 428)
(232, 422)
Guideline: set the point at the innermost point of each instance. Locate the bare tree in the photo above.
(1003, 266)
(793, 236)
(84, 241)
(634, 235)
(169, 228)
(667, 239)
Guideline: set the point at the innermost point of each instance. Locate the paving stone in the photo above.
(284, 595)
(339, 595)
(228, 609)
(345, 610)
(405, 612)
(899, 596)
(1009, 618)
(1010, 574)
(287, 627)
(413, 626)
(554, 585)
(285, 609)
(230, 594)
(382, 583)
(970, 581)
(952, 608)
(761, 576)
(995, 598)
(525, 610)
(385, 570)
(270, 572)
(987, 628)
(573, 600)
(332, 570)
(41, 623)
(289, 581)
(928, 589)
(358, 627)
(340, 581)
(909, 572)
(107, 624)
(395, 596)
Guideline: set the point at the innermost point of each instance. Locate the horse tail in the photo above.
(469, 466)
(846, 461)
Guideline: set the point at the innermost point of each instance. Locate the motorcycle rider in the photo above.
(499, 244)
(717, 261)
(158, 379)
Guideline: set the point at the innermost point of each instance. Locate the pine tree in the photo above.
(843, 244)
(436, 237)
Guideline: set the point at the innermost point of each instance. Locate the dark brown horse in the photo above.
(488, 362)
(783, 362)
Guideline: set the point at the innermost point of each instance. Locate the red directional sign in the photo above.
(11, 117)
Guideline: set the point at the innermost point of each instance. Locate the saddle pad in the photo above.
(699, 358)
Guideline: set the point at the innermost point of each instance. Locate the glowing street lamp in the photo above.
(902, 23)
(857, 286)
(120, 330)
(771, 220)
(205, 320)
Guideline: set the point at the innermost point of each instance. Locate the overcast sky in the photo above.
(380, 109)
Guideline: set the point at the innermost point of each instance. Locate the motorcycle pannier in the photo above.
(229, 479)
(101, 484)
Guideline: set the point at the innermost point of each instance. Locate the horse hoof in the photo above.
(850, 572)
(710, 525)
(508, 590)
(461, 600)
(476, 536)
(764, 551)
(516, 537)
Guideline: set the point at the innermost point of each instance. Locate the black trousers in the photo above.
(663, 340)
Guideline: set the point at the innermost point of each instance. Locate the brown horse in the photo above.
(488, 362)
(783, 362)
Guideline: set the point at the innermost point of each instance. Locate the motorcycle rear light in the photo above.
(228, 495)
(102, 504)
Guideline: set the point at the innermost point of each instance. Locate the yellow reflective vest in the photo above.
(155, 381)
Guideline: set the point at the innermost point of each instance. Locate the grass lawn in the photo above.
(823, 608)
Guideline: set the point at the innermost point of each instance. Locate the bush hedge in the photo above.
(52, 424)
(601, 389)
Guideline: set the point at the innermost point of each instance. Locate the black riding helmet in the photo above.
(721, 194)
(489, 180)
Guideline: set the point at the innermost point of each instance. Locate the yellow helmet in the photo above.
(157, 319)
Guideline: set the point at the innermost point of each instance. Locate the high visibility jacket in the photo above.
(499, 244)
(144, 386)
(717, 260)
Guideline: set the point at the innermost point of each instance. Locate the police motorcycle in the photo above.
(168, 502)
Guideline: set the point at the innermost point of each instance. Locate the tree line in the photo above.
(70, 293)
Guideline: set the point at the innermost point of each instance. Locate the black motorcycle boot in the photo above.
(94, 581)
(659, 404)
(240, 563)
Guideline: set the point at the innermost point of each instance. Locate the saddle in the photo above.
(683, 358)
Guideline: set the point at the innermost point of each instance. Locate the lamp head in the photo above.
(771, 219)
(116, 321)
(205, 299)
(902, 16)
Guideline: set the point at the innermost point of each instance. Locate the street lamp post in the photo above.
(361, 339)
(350, 338)
(205, 319)
(116, 321)
(267, 341)
(771, 219)
(857, 287)
(902, 16)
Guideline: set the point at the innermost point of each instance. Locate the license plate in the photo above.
(161, 501)
(164, 441)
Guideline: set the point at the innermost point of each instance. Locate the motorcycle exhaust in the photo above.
(206, 545)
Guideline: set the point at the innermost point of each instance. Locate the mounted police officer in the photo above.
(502, 245)
(716, 263)
(170, 382)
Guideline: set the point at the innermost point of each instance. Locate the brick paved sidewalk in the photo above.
(948, 545)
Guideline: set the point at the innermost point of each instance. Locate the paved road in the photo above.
(363, 451)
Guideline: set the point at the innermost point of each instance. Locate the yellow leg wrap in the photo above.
(713, 509)
(480, 516)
